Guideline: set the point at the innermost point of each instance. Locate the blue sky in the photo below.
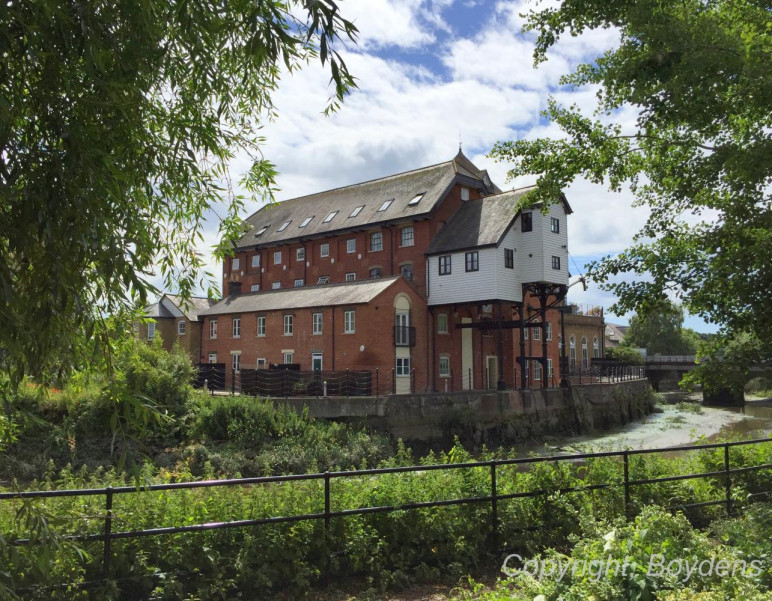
(432, 73)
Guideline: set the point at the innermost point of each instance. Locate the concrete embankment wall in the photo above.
(490, 417)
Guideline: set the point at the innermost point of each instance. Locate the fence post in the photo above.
(327, 503)
(377, 384)
(727, 480)
(470, 379)
(233, 381)
(494, 508)
(107, 532)
(393, 381)
(625, 458)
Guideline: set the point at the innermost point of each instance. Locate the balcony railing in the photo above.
(404, 336)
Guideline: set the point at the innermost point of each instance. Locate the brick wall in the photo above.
(370, 346)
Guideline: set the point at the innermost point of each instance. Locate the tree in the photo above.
(117, 123)
(660, 332)
(699, 154)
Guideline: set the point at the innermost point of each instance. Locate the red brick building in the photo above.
(434, 275)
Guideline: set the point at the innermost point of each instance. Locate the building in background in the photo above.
(175, 321)
(615, 334)
(434, 278)
(584, 334)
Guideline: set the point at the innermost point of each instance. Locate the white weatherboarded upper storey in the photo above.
(491, 227)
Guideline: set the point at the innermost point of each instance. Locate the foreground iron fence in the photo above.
(626, 485)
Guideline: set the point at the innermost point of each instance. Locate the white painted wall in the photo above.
(461, 286)
(533, 263)
(536, 248)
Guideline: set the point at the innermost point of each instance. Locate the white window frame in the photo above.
(288, 325)
(549, 331)
(373, 246)
(150, 330)
(444, 363)
(525, 332)
(464, 193)
(404, 239)
(595, 348)
(550, 369)
(261, 326)
(402, 366)
(275, 285)
(300, 254)
(277, 257)
(324, 250)
(299, 283)
(288, 355)
(256, 260)
(537, 333)
(351, 246)
(317, 323)
(212, 329)
(351, 276)
(236, 362)
(537, 370)
(254, 288)
(235, 264)
(349, 321)
(181, 327)
(442, 318)
(236, 327)
(212, 358)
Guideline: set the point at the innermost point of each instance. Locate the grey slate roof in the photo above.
(432, 181)
(191, 310)
(347, 293)
(157, 311)
(479, 222)
(194, 306)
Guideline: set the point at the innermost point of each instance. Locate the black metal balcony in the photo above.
(404, 336)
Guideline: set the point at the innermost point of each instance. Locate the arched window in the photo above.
(572, 352)
(585, 356)
(595, 348)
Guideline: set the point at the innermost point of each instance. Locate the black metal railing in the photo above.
(626, 485)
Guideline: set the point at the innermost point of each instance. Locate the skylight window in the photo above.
(386, 205)
(416, 199)
(330, 217)
(306, 221)
(356, 211)
(284, 226)
(261, 231)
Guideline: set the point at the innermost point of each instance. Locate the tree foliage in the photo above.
(660, 331)
(117, 124)
(699, 154)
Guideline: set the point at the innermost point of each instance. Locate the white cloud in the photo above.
(401, 23)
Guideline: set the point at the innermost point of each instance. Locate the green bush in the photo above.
(626, 355)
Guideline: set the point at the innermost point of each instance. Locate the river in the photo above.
(672, 426)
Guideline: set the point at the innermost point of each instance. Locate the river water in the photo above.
(670, 427)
